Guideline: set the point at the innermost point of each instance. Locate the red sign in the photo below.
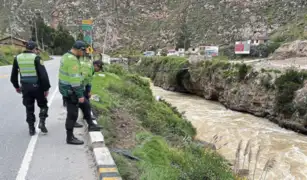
(239, 47)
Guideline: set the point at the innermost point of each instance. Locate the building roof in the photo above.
(18, 39)
(260, 36)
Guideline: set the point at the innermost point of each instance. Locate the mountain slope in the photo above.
(141, 23)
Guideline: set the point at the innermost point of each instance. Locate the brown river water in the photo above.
(211, 118)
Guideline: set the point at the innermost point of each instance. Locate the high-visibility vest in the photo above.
(27, 70)
(70, 70)
(87, 69)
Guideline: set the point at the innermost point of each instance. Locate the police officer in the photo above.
(35, 85)
(88, 70)
(71, 88)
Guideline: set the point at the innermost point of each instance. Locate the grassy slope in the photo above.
(153, 131)
(7, 54)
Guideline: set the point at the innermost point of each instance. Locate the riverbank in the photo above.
(289, 149)
(157, 138)
(8, 52)
(269, 93)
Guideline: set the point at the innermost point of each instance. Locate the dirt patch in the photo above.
(126, 127)
(299, 62)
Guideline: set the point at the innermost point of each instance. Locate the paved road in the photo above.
(41, 157)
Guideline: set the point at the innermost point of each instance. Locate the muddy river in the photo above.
(211, 118)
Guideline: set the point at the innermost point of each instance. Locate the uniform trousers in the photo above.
(72, 106)
(30, 93)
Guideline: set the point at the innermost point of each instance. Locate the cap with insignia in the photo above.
(80, 45)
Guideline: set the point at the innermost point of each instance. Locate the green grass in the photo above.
(45, 56)
(153, 131)
(7, 53)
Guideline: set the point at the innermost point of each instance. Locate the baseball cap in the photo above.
(30, 45)
(80, 45)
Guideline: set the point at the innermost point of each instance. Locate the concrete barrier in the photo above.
(106, 167)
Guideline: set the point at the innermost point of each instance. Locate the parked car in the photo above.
(149, 53)
(172, 53)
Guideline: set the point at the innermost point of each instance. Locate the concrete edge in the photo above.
(105, 164)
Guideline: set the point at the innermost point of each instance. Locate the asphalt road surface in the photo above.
(41, 157)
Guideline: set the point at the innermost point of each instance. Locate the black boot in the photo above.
(78, 125)
(42, 126)
(93, 117)
(94, 127)
(32, 130)
(64, 102)
(71, 139)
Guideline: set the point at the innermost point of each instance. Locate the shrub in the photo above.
(7, 54)
(286, 85)
(164, 52)
(259, 51)
(243, 69)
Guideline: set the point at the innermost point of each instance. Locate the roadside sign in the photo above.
(242, 47)
(86, 27)
(87, 21)
(211, 51)
(88, 39)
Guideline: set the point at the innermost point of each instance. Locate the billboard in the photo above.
(87, 27)
(242, 47)
(211, 51)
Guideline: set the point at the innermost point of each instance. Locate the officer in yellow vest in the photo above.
(35, 85)
(88, 69)
(72, 89)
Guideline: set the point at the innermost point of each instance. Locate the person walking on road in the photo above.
(35, 85)
(71, 88)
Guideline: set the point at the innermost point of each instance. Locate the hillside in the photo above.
(152, 22)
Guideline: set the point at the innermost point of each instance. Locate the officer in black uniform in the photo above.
(35, 84)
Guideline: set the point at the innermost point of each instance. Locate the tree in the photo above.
(183, 38)
(45, 34)
(58, 41)
(80, 36)
(63, 41)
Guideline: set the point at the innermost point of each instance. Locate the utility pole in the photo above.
(105, 37)
(11, 32)
(36, 38)
(42, 9)
(92, 40)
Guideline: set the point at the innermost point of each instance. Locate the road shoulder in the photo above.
(53, 158)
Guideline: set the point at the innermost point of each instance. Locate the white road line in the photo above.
(22, 173)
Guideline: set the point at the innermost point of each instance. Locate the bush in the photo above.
(7, 54)
(164, 52)
(272, 46)
(259, 51)
(228, 51)
(160, 132)
(243, 69)
(153, 67)
(45, 56)
(286, 85)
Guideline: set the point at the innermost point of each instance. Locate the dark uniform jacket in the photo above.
(43, 79)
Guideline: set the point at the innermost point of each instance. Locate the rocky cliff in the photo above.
(150, 22)
(278, 96)
(296, 48)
